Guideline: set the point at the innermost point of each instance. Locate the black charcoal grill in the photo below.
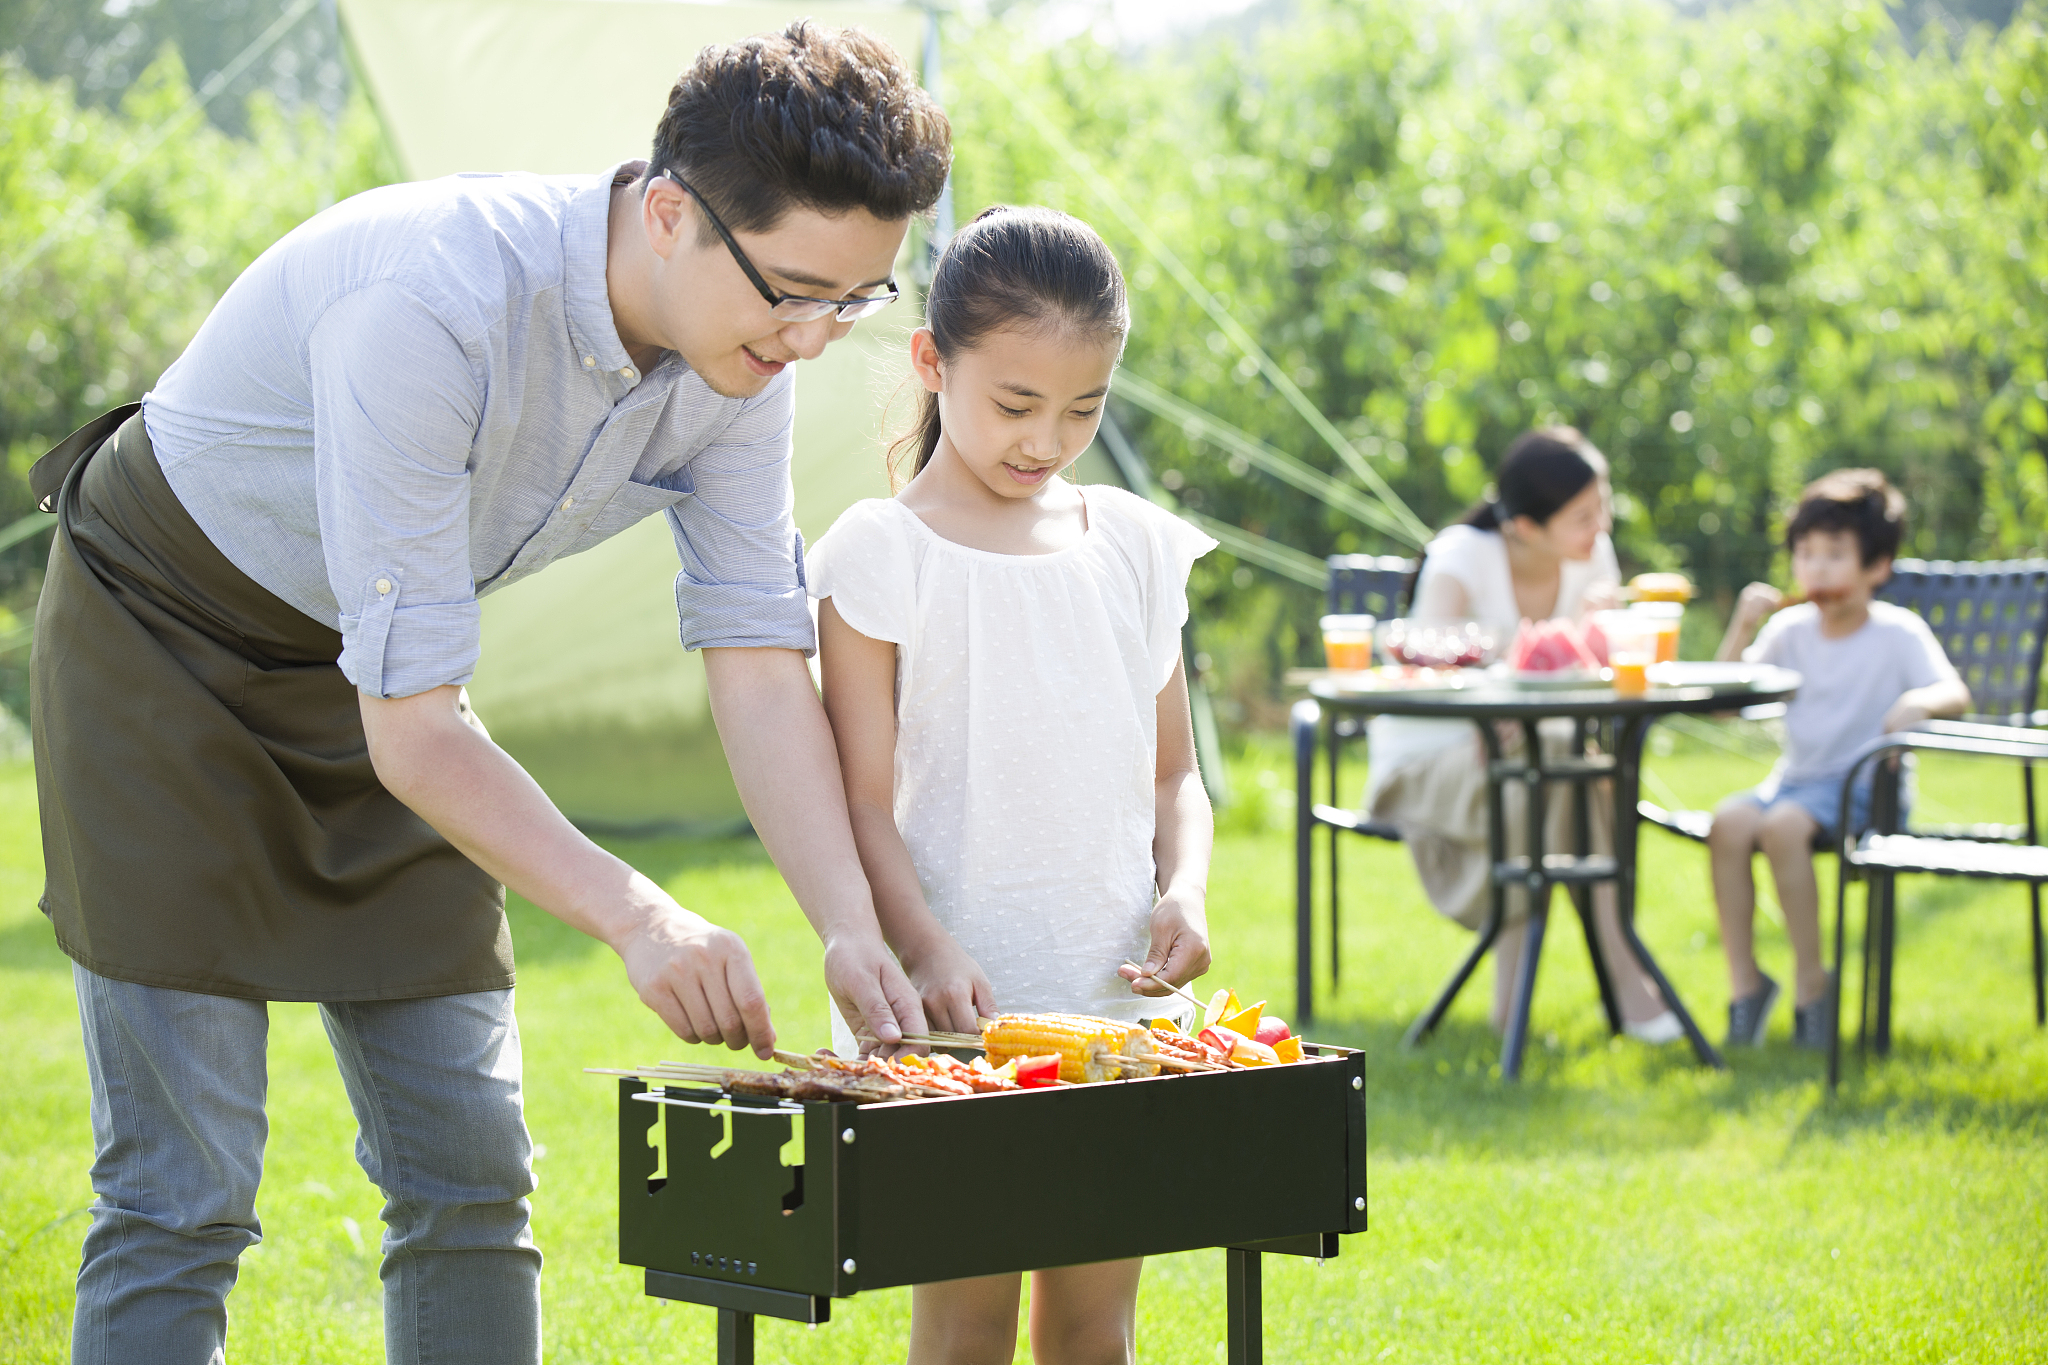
(755, 1206)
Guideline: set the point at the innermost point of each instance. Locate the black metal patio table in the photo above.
(1490, 698)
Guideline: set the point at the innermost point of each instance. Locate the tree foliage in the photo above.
(1737, 249)
(114, 246)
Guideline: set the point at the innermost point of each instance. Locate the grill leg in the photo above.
(735, 1337)
(1246, 1331)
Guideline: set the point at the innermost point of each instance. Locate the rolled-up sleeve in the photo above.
(742, 583)
(396, 403)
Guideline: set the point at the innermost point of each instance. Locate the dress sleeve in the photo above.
(1174, 546)
(864, 565)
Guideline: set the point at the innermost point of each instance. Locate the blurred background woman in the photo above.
(1538, 548)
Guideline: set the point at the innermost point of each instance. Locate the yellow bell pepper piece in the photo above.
(1245, 1021)
(1288, 1049)
(1164, 1026)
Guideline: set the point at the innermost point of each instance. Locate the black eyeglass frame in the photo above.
(846, 310)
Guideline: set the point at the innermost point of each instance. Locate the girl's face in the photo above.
(1575, 528)
(1021, 406)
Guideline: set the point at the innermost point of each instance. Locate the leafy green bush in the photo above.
(115, 240)
(1736, 249)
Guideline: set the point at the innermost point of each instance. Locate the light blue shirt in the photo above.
(419, 396)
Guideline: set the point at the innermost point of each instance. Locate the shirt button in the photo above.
(567, 503)
(383, 586)
(626, 373)
(590, 362)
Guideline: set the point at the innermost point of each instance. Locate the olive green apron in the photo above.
(211, 821)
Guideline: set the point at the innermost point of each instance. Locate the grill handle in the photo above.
(783, 1108)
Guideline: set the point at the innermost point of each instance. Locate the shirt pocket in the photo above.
(631, 502)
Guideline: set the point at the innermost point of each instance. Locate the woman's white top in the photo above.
(1026, 732)
(1478, 560)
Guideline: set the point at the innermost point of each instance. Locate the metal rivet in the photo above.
(753, 1267)
(693, 1258)
(1359, 1203)
(1358, 1082)
(847, 1137)
(847, 1265)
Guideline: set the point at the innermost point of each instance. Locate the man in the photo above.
(259, 777)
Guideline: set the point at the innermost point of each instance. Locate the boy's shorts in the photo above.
(1822, 799)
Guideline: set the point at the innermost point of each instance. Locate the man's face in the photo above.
(705, 309)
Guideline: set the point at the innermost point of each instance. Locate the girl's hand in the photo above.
(1180, 944)
(952, 985)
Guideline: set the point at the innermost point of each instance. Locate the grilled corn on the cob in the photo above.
(1089, 1049)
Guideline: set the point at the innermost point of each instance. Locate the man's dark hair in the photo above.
(1858, 500)
(821, 118)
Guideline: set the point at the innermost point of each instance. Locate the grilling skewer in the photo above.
(1144, 975)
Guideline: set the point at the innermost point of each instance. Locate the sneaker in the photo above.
(1811, 1024)
(1748, 1016)
(1664, 1028)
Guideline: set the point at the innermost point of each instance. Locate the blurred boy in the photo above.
(1869, 668)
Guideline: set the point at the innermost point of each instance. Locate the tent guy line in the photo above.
(1157, 248)
(161, 134)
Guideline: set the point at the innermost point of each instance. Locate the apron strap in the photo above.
(47, 475)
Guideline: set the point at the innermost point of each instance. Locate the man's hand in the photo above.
(700, 979)
(950, 984)
(1180, 945)
(872, 994)
(431, 753)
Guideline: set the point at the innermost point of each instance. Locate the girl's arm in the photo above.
(1184, 832)
(859, 675)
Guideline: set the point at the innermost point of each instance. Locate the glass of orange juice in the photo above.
(1631, 649)
(1667, 617)
(1347, 642)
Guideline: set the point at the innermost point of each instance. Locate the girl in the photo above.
(1000, 652)
(1537, 549)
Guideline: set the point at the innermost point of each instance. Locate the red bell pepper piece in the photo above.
(1035, 1073)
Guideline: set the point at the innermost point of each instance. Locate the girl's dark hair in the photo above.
(1015, 269)
(1541, 471)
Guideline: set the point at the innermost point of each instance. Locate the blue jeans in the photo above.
(178, 1087)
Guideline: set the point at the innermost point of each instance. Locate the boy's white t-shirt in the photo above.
(1847, 685)
(1026, 733)
(1478, 560)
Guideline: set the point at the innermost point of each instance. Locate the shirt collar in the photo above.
(586, 234)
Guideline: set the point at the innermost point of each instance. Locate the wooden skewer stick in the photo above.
(1144, 975)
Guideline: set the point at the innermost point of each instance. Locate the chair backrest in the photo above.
(1369, 585)
(1991, 617)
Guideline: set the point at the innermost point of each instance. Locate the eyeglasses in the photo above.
(792, 307)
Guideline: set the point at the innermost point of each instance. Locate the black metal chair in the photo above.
(1879, 855)
(1990, 617)
(1369, 585)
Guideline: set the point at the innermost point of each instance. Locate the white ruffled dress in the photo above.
(1026, 740)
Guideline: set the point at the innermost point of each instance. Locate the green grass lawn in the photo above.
(1619, 1204)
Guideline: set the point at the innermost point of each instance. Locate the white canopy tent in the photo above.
(582, 676)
